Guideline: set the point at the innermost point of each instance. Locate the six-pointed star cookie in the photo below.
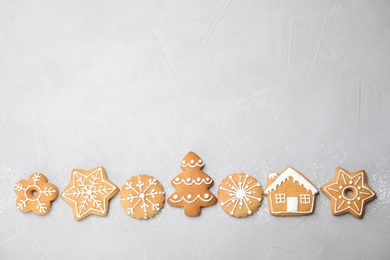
(89, 192)
(348, 192)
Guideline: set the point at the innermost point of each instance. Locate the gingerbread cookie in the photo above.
(142, 196)
(89, 192)
(348, 192)
(192, 187)
(35, 194)
(240, 195)
(290, 193)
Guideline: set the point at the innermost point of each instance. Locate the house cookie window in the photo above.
(280, 198)
(305, 198)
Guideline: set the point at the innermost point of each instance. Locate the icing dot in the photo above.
(206, 195)
(183, 162)
(341, 187)
(340, 197)
(358, 198)
(189, 196)
(199, 161)
(192, 161)
(349, 202)
(142, 195)
(177, 179)
(207, 179)
(197, 179)
(188, 179)
(175, 196)
(359, 188)
(350, 182)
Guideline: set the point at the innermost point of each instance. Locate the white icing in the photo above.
(273, 175)
(48, 191)
(292, 204)
(92, 193)
(190, 182)
(340, 198)
(285, 175)
(240, 194)
(174, 200)
(142, 197)
(192, 164)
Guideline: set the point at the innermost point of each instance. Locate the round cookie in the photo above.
(35, 194)
(348, 192)
(142, 196)
(240, 195)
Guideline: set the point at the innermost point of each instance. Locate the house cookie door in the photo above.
(292, 204)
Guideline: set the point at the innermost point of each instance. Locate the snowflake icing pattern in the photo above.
(89, 192)
(138, 195)
(241, 193)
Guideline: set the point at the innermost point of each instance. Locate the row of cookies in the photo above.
(289, 193)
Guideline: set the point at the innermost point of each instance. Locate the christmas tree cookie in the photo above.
(348, 192)
(240, 195)
(89, 192)
(142, 196)
(192, 187)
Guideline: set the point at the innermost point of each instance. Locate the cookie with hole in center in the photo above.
(35, 194)
(348, 192)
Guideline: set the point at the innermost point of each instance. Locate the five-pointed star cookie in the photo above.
(89, 192)
(348, 192)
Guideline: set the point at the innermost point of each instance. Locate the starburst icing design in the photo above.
(89, 192)
(349, 192)
(142, 196)
(240, 194)
(35, 194)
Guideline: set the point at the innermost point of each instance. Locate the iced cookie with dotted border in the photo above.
(142, 196)
(35, 194)
(348, 192)
(192, 187)
(240, 195)
(89, 192)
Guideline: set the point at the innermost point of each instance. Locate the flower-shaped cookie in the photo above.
(35, 194)
(348, 192)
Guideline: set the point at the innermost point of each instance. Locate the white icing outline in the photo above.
(297, 177)
(101, 208)
(193, 181)
(358, 191)
(189, 201)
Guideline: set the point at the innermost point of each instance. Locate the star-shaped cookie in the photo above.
(348, 192)
(89, 192)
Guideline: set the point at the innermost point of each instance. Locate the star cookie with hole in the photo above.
(35, 194)
(142, 196)
(348, 192)
(240, 195)
(89, 192)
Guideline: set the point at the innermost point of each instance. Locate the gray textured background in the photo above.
(251, 86)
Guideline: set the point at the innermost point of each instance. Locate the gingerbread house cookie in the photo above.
(290, 193)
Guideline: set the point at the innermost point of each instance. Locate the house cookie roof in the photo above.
(285, 175)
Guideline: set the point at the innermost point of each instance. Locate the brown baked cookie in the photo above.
(35, 194)
(89, 192)
(142, 196)
(348, 192)
(240, 195)
(192, 187)
(290, 193)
